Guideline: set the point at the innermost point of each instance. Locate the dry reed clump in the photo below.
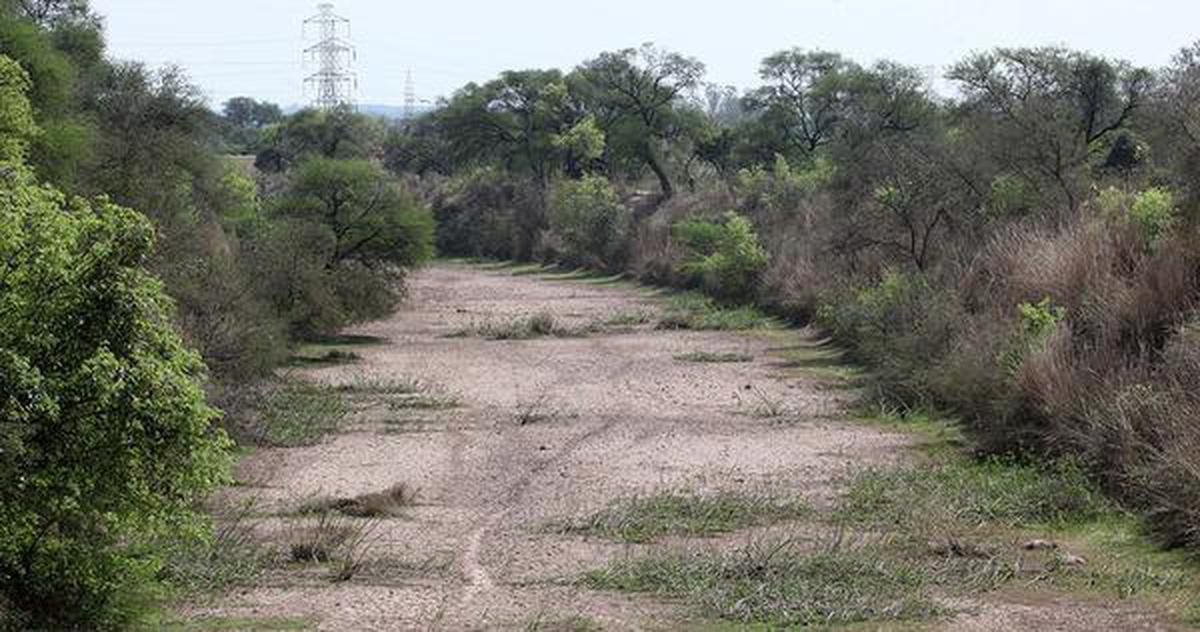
(385, 503)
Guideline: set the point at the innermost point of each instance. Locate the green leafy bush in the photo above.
(725, 258)
(900, 327)
(1037, 321)
(1011, 196)
(782, 188)
(591, 222)
(1153, 211)
(105, 439)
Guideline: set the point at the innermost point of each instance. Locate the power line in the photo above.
(334, 82)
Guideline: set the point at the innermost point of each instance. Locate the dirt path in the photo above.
(614, 414)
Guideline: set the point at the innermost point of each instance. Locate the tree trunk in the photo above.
(664, 181)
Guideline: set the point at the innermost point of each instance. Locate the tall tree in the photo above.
(805, 96)
(635, 93)
(1046, 111)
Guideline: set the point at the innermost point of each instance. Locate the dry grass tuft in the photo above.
(387, 503)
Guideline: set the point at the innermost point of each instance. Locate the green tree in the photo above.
(591, 223)
(105, 439)
(635, 94)
(805, 96)
(246, 112)
(339, 133)
(1044, 112)
(64, 143)
(345, 233)
(371, 219)
(16, 117)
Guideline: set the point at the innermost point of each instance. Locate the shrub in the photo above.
(784, 188)
(487, 214)
(1011, 196)
(1152, 211)
(725, 258)
(106, 441)
(900, 327)
(592, 224)
(1036, 323)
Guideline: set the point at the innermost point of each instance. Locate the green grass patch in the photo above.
(630, 318)
(227, 557)
(379, 386)
(236, 624)
(776, 585)
(992, 493)
(714, 357)
(693, 311)
(294, 413)
(975, 525)
(818, 359)
(577, 623)
(643, 519)
(423, 402)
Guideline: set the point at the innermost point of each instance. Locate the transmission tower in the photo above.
(410, 96)
(334, 83)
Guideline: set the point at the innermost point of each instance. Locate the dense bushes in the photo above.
(588, 225)
(484, 213)
(106, 441)
(725, 259)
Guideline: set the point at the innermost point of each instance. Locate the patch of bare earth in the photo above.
(609, 415)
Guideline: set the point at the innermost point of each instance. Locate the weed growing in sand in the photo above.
(239, 624)
(629, 319)
(297, 413)
(332, 538)
(714, 357)
(535, 411)
(231, 556)
(424, 402)
(546, 623)
(540, 325)
(759, 403)
(776, 584)
(379, 386)
(694, 311)
(643, 519)
(387, 503)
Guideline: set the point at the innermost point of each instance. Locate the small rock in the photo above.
(1040, 545)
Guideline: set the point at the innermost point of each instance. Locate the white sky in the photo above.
(252, 47)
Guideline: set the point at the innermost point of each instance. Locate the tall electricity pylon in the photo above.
(334, 83)
(410, 96)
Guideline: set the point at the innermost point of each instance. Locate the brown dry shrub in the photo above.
(1144, 437)
(791, 286)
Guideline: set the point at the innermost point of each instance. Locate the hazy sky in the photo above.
(252, 47)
